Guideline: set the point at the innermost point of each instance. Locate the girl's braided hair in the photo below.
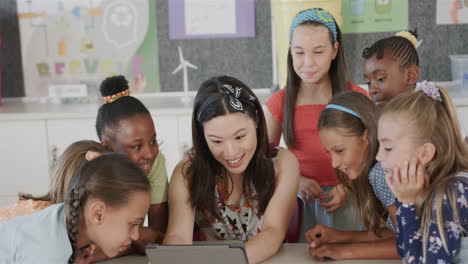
(401, 48)
(112, 178)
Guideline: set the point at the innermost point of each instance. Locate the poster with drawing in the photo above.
(452, 12)
(76, 43)
(365, 16)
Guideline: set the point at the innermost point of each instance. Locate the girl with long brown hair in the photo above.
(348, 131)
(316, 73)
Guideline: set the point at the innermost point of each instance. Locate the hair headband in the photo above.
(232, 95)
(343, 109)
(111, 98)
(314, 14)
(429, 89)
(410, 37)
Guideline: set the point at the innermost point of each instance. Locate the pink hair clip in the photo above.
(430, 89)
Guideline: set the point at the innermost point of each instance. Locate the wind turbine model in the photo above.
(184, 64)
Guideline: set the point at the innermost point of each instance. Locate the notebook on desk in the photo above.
(197, 254)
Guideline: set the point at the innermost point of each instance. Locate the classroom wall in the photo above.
(249, 59)
(439, 41)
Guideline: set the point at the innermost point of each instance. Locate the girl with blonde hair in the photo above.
(67, 165)
(425, 159)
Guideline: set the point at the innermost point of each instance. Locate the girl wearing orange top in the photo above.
(66, 167)
(316, 72)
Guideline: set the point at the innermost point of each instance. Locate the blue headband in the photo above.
(344, 109)
(314, 14)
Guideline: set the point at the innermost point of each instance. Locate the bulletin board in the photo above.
(246, 58)
(71, 46)
(74, 42)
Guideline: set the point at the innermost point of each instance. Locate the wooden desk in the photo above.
(288, 253)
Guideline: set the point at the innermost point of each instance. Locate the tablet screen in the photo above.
(233, 253)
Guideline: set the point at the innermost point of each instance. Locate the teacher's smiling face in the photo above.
(232, 140)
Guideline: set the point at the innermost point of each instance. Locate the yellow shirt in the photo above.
(158, 180)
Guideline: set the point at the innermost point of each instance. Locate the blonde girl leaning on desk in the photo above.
(232, 185)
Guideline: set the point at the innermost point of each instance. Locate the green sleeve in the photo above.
(158, 180)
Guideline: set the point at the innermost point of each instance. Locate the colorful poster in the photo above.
(192, 19)
(452, 12)
(74, 44)
(364, 16)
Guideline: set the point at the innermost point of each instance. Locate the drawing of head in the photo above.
(120, 23)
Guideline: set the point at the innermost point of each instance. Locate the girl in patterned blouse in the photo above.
(232, 184)
(426, 165)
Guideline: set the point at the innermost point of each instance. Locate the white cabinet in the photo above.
(166, 133)
(28, 147)
(63, 132)
(185, 134)
(24, 164)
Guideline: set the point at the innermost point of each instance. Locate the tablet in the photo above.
(233, 253)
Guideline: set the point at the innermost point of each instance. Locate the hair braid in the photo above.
(110, 178)
(76, 196)
(400, 48)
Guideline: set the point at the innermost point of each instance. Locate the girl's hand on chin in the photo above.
(407, 181)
